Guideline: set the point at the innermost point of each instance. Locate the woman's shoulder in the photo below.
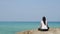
(41, 21)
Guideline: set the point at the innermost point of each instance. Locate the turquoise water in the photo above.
(13, 27)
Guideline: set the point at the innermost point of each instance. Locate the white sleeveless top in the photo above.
(43, 26)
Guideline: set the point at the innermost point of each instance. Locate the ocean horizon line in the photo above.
(28, 21)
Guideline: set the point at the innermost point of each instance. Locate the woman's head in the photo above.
(44, 20)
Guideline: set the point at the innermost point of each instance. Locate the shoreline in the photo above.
(35, 31)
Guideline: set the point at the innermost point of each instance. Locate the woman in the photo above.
(44, 25)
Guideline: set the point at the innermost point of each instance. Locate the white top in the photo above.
(43, 26)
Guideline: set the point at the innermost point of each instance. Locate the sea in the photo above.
(12, 27)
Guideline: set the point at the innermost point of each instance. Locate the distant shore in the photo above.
(35, 31)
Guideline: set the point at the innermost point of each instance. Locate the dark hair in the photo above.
(44, 20)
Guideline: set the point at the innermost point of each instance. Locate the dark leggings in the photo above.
(43, 29)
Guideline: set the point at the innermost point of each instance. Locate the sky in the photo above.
(29, 10)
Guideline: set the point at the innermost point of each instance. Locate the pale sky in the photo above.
(29, 10)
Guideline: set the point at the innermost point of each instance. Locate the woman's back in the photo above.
(44, 25)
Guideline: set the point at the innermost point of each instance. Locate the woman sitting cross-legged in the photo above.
(44, 25)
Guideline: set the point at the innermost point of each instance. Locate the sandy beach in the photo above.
(35, 31)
